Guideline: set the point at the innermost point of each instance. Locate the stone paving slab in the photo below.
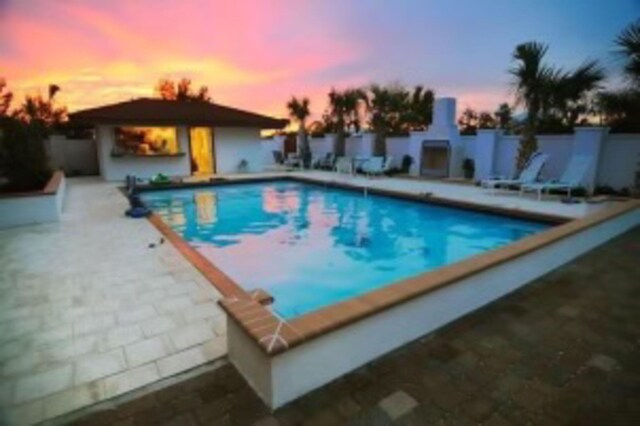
(521, 360)
(89, 311)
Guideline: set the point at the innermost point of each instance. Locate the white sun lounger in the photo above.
(529, 174)
(377, 166)
(344, 165)
(571, 179)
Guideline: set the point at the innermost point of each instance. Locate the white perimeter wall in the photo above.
(619, 156)
(74, 156)
(619, 160)
(233, 145)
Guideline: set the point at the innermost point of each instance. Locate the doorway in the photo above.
(202, 151)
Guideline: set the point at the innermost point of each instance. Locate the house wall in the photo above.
(117, 168)
(233, 145)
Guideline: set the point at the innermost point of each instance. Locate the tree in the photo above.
(23, 158)
(620, 109)
(419, 113)
(387, 109)
(503, 116)
(299, 111)
(468, 122)
(344, 114)
(628, 47)
(486, 120)
(36, 108)
(5, 97)
(181, 91)
(531, 79)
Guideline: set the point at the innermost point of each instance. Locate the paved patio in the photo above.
(563, 350)
(88, 310)
(95, 306)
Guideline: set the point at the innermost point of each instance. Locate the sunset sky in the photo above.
(255, 54)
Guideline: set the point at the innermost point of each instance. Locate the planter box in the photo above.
(28, 208)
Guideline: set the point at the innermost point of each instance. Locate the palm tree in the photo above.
(344, 114)
(386, 106)
(531, 78)
(571, 90)
(299, 111)
(628, 47)
(621, 108)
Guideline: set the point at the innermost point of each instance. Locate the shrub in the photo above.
(23, 158)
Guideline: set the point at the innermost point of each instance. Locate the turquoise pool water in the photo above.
(310, 246)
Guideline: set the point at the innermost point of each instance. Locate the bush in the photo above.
(23, 159)
(469, 168)
(407, 161)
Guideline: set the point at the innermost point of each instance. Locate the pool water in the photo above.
(312, 246)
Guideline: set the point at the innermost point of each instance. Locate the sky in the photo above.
(256, 54)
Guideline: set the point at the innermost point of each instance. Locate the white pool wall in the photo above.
(282, 378)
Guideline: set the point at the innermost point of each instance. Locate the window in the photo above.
(146, 141)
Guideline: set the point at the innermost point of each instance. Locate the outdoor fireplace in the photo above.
(435, 158)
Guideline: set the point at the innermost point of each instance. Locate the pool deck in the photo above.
(549, 205)
(88, 310)
(562, 351)
(94, 306)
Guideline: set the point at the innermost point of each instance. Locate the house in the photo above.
(145, 136)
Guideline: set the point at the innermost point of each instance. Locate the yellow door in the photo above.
(202, 153)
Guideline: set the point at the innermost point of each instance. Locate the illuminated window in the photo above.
(146, 141)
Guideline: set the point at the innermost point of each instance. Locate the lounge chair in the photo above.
(344, 165)
(278, 158)
(328, 162)
(373, 166)
(529, 174)
(293, 160)
(571, 179)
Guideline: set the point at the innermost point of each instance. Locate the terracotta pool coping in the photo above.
(275, 335)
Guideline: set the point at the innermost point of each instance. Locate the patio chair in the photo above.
(571, 179)
(328, 162)
(278, 158)
(529, 174)
(293, 160)
(344, 165)
(373, 166)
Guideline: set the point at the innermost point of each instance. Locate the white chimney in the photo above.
(444, 112)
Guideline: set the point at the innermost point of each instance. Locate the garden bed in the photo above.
(32, 207)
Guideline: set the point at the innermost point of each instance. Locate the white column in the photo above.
(279, 142)
(415, 150)
(485, 149)
(367, 141)
(588, 141)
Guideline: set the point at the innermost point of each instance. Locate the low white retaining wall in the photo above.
(29, 209)
(284, 377)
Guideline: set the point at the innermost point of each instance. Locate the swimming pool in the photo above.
(311, 246)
